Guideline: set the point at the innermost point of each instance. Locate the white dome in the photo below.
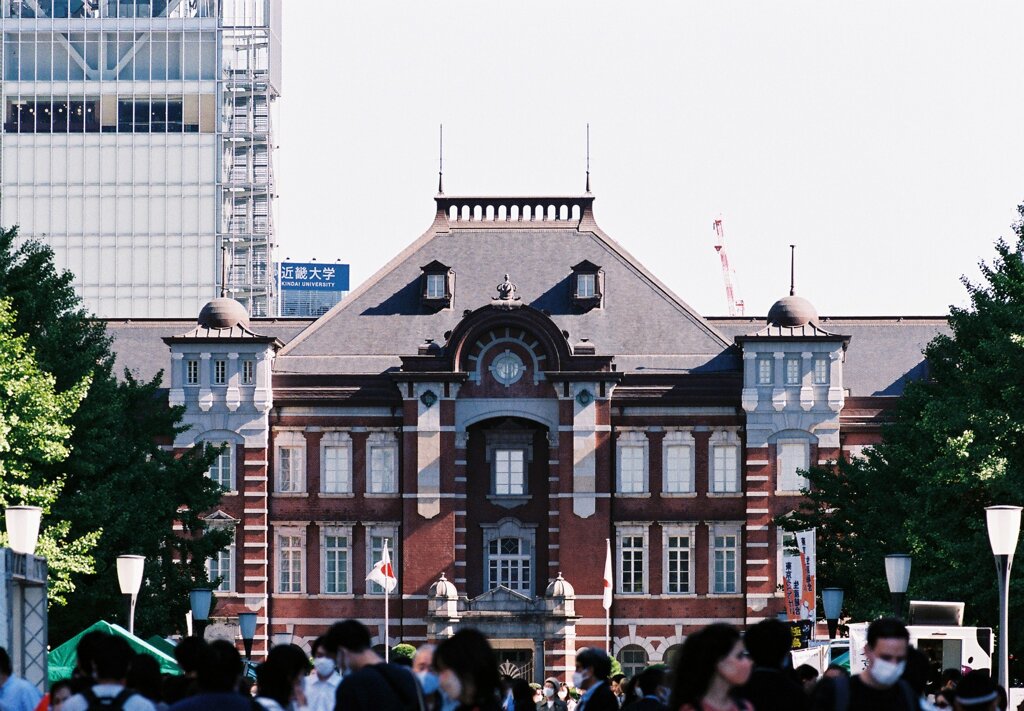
(560, 587)
(443, 588)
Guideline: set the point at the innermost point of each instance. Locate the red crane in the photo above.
(735, 305)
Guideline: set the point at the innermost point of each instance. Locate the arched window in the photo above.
(671, 655)
(508, 564)
(633, 659)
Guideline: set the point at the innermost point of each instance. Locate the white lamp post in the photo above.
(832, 601)
(129, 577)
(23, 528)
(247, 628)
(1003, 530)
(200, 600)
(897, 573)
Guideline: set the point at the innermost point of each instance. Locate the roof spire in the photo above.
(792, 270)
(588, 158)
(440, 160)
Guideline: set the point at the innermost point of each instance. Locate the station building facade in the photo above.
(508, 396)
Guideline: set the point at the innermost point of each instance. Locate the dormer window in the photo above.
(437, 285)
(587, 285)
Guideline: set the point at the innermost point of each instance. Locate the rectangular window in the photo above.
(337, 477)
(508, 564)
(436, 286)
(248, 372)
(678, 469)
(376, 553)
(725, 555)
(221, 470)
(764, 371)
(192, 372)
(792, 457)
(725, 476)
(383, 470)
(677, 559)
(631, 470)
(509, 472)
(336, 564)
(820, 371)
(289, 563)
(631, 564)
(792, 371)
(220, 566)
(220, 372)
(289, 469)
(586, 286)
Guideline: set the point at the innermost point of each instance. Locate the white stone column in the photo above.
(428, 448)
(779, 389)
(232, 397)
(584, 446)
(205, 393)
(176, 396)
(806, 375)
(749, 396)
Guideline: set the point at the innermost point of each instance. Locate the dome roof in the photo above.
(223, 313)
(443, 588)
(560, 587)
(792, 311)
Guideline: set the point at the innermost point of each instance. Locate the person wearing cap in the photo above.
(976, 692)
(550, 701)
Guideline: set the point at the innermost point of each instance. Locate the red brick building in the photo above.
(504, 396)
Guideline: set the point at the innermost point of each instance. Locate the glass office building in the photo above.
(137, 143)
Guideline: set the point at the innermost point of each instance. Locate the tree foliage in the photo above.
(120, 484)
(954, 445)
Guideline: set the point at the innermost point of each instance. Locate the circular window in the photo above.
(507, 368)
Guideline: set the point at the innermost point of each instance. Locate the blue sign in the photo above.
(313, 277)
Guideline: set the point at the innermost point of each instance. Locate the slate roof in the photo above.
(139, 347)
(884, 352)
(642, 323)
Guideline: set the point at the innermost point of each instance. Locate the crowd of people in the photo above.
(717, 669)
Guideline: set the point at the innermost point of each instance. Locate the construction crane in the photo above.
(735, 305)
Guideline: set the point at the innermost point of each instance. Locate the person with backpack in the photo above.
(880, 686)
(368, 683)
(112, 659)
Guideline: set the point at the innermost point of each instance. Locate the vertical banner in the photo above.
(799, 572)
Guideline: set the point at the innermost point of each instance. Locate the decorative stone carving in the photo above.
(507, 298)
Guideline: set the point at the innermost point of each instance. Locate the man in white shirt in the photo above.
(322, 684)
(113, 657)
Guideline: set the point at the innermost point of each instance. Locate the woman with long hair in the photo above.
(710, 666)
(467, 670)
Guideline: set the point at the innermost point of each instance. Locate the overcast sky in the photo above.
(885, 139)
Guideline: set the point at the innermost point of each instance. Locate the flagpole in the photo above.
(387, 636)
(607, 601)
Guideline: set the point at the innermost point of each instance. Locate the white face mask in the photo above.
(324, 666)
(578, 678)
(548, 692)
(886, 673)
(450, 684)
(562, 694)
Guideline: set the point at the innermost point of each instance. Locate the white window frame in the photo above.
(792, 370)
(715, 531)
(336, 531)
(433, 281)
(341, 441)
(388, 441)
(719, 439)
(381, 530)
(821, 371)
(791, 455)
(683, 440)
(498, 440)
(248, 376)
(229, 453)
(290, 532)
(630, 667)
(295, 442)
(513, 488)
(228, 584)
(511, 528)
(192, 371)
(765, 371)
(586, 285)
(633, 440)
(632, 531)
(220, 371)
(677, 531)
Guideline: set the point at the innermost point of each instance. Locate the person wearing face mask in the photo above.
(564, 695)
(423, 668)
(322, 684)
(368, 683)
(591, 677)
(467, 670)
(650, 687)
(550, 700)
(879, 687)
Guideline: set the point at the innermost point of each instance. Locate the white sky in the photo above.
(884, 139)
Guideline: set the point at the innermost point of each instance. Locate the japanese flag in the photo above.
(383, 574)
(607, 602)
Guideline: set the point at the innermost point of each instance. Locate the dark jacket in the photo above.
(774, 690)
(648, 703)
(379, 687)
(601, 700)
(558, 705)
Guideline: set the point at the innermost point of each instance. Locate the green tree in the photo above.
(34, 433)
(120, 482)
(954, 445)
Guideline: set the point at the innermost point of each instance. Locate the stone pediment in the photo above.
(501, 599)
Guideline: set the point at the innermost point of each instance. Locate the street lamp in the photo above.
(1003, 530)
(897, 572)
(247, 628)
(832, 601)
(23, 528)
(129, 577)
(200, 600)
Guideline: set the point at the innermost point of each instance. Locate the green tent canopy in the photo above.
(62, 659)
(162, 644)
